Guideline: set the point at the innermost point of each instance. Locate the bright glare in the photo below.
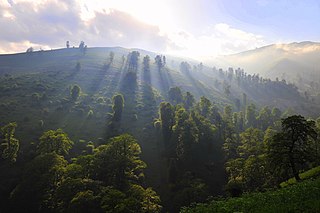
(161, 14)
(150, 12)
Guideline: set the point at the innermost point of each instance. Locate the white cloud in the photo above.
(20, 46)
(220, 39)
(50, 23)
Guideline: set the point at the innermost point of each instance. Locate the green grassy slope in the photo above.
(312, 173)
(206, 81)
(301, 197)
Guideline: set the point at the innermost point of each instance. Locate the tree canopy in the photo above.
(55, 141)
(293, 146)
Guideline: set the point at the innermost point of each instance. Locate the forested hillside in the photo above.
(127, 130)
(296, 62)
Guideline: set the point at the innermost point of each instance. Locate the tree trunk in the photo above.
(294, 170)
(293, 166)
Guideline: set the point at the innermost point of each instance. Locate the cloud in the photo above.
(50, 23)
(235, 40)
(120, 28)
(219, 39)
(45, 23)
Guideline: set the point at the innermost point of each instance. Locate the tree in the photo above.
(251, 143)
(227, 118)
(75, 92)
(227, 114)
(264, 118)
(67, 44)
(226, 88)
(244, 100)
(204, 106)
(251, 115)
(294, 145)
(118, 162)
(135, 199)
(185, 67)
(85, 201)
(276, 114)
(81, 45)
(41, 177)
(30, 50)
(185, 133)
(9, 143)
(254, 172)
(206, 130)
(175, 95)
(164, 60)
(146, 63)
(159, 62)
(166, 115)
(133, 58)
(146, 69)
(117, 107)
(55, 141)
(189, 101)
(67, 194)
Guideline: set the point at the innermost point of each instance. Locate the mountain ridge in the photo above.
(202, 80)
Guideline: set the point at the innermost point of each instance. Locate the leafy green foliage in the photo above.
(117, 107)
(166, 115)
(294, 145)
(41, 177)
(9, 144)
(185, 133)
(311, 173)
(55, 141)
(175, 95)
(303, 197)
(118, 163)
(189, 101)
(251, 143)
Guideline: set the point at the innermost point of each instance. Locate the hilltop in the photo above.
(296, 62)
(199, 79)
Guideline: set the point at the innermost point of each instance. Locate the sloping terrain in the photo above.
(35, 88)
(294, 62)
(302, 197)
(36, 93)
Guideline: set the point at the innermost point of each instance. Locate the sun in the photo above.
(157, 13)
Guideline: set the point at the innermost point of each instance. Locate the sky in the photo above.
(192, 28)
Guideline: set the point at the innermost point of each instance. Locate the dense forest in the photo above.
(126, 130)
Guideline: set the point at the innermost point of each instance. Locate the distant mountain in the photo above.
(295, 62)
